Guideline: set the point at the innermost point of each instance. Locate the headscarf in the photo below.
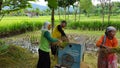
(45, 26)
(110, 28)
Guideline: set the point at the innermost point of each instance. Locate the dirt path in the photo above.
(84, 65)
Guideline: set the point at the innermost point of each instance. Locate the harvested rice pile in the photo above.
(116, 50)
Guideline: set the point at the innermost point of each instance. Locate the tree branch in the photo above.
(1, 5)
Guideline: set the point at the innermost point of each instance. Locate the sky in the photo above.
(95, 2)
(42, 2)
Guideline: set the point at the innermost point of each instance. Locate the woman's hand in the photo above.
(105, 49)
(109, 50)
(64, 39)
(103, 46)
(60, 41)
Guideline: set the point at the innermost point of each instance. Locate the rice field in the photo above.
(16, 24)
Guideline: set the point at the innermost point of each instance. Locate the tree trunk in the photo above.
(75, 14)
(79, 13)
(65, 12)
(102, 14)
(102, 17)
(52, 18)
(59, 13)
(1, 5)
(109, 14)
(109, 18)
(103, 4)
(68, 12)
(1, 1)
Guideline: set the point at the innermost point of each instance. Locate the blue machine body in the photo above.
(71, 55)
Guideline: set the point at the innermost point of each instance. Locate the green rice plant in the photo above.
(14, 25)
(19, 27)
(97, 25)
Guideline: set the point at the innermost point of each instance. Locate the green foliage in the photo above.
(97, 10)
(96, 25)
(71, 2)
(86, 5)
(66, 3)
(52, 4)
(116, 50)
(19, 27)
(13, 5)
(63, 3)
(16, 25)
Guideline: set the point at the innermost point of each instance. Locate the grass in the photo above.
(17, 57)
(91, 59)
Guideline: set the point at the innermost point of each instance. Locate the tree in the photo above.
(66, 3)
(63, 4)
(37, 10)
(75, 6)
(1, 1)
(97, 10)
(106, 4)
(47, 11)
(68, 11)
(79, 10)
(86, 5)
(103, 4)
(59, 12)
(110, 10)
(7, 6)
(116, 8)
(52, 4)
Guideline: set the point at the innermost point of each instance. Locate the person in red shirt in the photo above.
(106, 58)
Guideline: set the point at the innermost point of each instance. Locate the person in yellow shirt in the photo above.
(59, 33)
